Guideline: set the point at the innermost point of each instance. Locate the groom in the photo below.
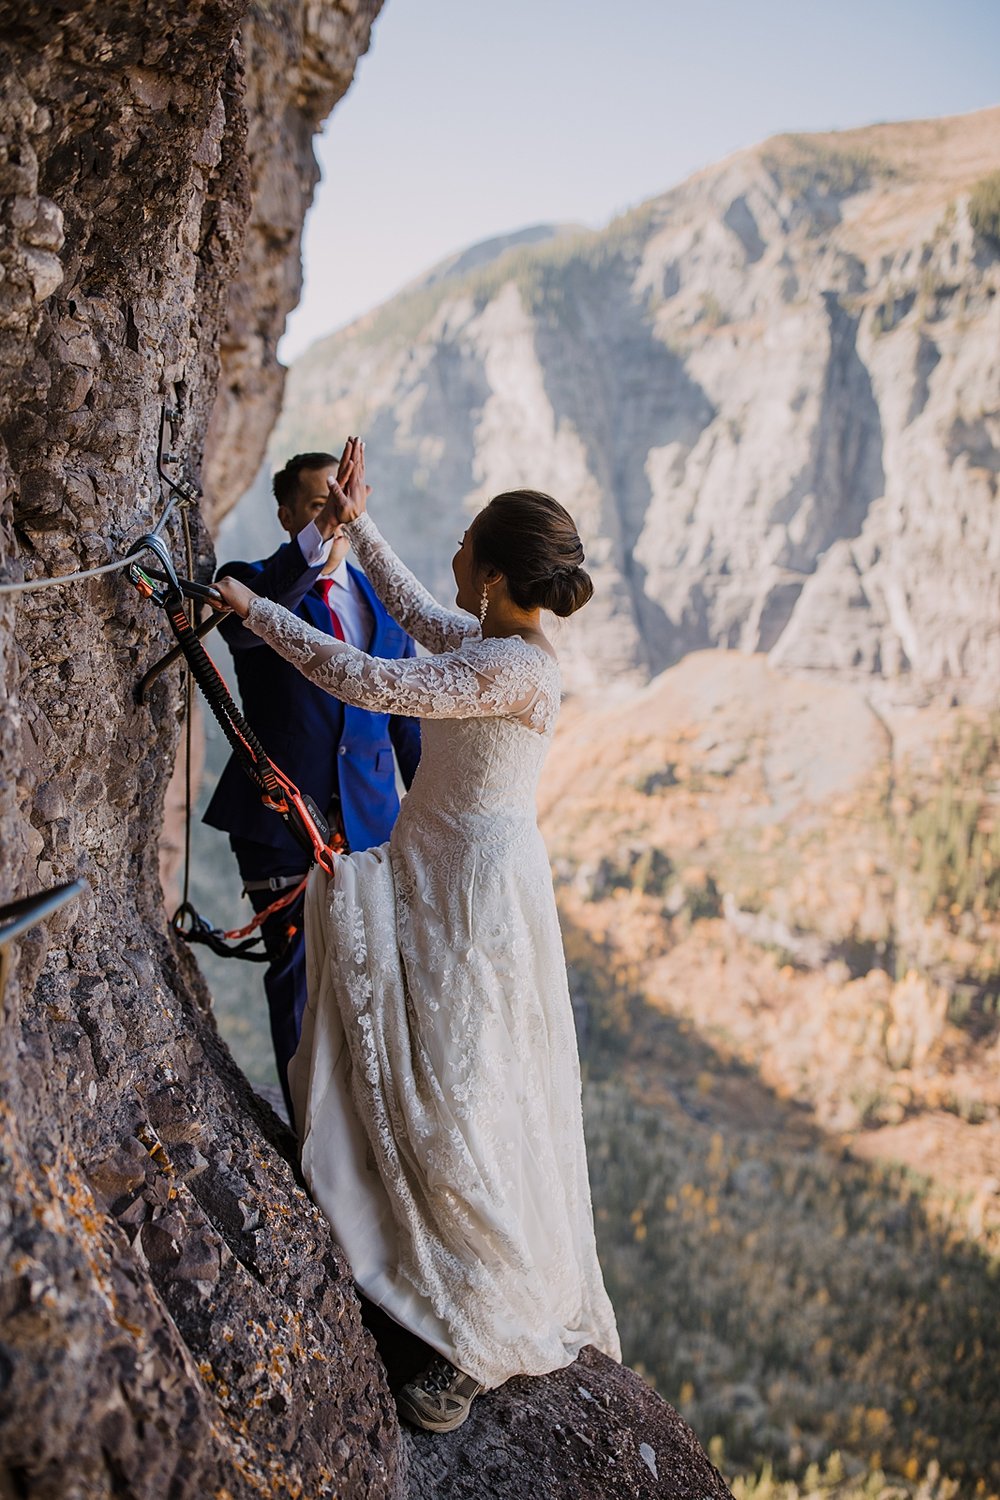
(341, 755)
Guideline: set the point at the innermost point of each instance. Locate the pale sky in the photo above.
(468, 119)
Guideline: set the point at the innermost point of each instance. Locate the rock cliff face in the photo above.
(299, 61)
(175, 1319)
(771, 396)
(162, 1332)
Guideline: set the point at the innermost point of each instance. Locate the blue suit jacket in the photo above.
(323, 745)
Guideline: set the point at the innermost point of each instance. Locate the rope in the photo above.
(188, 706)
(35, 584)
(44, 583)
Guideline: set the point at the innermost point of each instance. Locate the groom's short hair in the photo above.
(286, 482)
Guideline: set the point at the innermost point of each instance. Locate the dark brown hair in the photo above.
(532, 540)
(286, 482)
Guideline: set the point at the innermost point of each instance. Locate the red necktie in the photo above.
(325, 585)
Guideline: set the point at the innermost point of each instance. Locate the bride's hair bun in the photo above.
(569, 589)
(532, 540)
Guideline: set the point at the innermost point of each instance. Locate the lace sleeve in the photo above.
(496, 678)
(403, 595)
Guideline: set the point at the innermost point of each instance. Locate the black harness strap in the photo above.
(193, 928)
(244, 743)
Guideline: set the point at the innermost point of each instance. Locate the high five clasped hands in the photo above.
(348, 498)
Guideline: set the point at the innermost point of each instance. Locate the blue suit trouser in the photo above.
(285, 943)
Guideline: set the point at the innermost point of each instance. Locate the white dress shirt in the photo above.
(350, 605)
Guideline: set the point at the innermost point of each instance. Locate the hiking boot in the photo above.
(439, 1399)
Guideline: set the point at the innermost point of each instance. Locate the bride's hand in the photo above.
(236, 596)
(349, 492)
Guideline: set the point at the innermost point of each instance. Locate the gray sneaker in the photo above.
(439, 1399)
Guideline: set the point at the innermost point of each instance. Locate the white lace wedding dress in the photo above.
(437, 1085)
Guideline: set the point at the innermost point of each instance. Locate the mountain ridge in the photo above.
(548, 233)
(713, 384)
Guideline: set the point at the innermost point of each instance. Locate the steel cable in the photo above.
(34, 584)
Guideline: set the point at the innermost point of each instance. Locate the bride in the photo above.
(437, 1084)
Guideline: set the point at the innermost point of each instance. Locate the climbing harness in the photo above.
(192, 927)
(165, 587)
(278, 793)
(303, 817)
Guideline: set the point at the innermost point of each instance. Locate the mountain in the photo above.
(770, 397)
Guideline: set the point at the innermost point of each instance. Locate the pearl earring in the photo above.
(484, 604)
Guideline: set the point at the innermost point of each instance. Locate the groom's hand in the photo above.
(328, 520)
(348, 492)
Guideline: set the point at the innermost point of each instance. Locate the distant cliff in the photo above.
(772, 397)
